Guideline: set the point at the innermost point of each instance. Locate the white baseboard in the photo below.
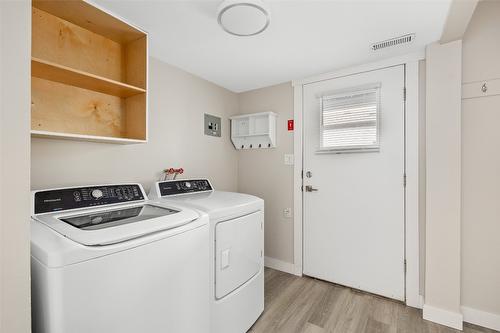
(481, 318)
(443, 317)
(298, 270)
(280, 265)
(420, 302)
(415, 302)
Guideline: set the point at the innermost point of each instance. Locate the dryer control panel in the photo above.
(175, 187)
(84, 197)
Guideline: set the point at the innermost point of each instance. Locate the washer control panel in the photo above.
(84, 197)
(175, 187)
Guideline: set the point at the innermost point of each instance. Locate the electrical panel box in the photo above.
(212, 125)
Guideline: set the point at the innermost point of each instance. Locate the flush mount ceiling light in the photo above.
(243, 17)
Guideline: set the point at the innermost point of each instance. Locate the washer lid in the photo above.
(221, 205)
(110, 225)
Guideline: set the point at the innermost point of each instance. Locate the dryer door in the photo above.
(238, 252)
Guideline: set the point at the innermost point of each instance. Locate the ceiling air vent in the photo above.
(405, 39)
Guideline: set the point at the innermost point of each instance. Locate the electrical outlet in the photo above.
(287, 213)
(288, 159)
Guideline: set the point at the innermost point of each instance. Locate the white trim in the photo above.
(443, 317)
(413, 297)
(422, 302)
(412, 238)
(412, 57)
(481, 318)
(279, 265)
(475, 89)
(297, 179)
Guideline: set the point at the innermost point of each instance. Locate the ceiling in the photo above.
(305, 37)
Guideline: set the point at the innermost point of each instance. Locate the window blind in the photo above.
(350, 120)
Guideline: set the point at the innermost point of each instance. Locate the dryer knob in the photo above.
(97, 194)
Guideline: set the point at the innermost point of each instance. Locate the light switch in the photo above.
(224, 260)
(288, 159)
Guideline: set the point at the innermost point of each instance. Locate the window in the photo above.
(349, 120)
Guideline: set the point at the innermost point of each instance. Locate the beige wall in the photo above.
(177, 102)
(481, 165)
(443, 95)
(481, 48)
(15, 51)
(262, 172)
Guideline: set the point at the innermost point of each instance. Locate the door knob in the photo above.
(309, 188)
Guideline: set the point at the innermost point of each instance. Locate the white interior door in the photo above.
(354, 158)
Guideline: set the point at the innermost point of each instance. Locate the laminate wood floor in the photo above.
(303, 304)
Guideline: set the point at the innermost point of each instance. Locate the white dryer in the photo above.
(105, 259)
(236, 250)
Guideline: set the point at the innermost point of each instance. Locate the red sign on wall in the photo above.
(290, 124)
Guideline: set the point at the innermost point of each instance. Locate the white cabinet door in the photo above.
(238, 252)
(354, 222)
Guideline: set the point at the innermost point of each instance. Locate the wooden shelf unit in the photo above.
(54, 72)
(89, 74)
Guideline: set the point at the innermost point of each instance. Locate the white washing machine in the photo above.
(107, 260)
(236, 250)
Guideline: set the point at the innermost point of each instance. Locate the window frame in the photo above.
(346, 92)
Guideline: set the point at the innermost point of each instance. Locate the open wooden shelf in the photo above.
(88, 74)
(51, 71)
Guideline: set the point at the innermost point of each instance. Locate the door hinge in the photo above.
(404, 180)
(405, 265)
(404, 94)
(302, 174)
(302, 188)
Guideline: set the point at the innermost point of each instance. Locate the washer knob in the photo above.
(188, 185)
(96, 220)
(97, 194)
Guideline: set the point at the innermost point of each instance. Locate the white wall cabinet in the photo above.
(254, 131)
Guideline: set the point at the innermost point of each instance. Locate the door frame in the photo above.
(412, 110)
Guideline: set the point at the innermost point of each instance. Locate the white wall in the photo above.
(262, 172)
(443, 157)
(480, 43)
(480, 169)
(177, 102)
(15, 54)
